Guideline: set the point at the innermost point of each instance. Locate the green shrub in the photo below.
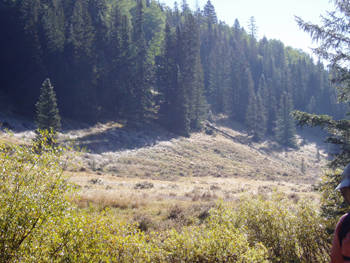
(291, 233)
(212, 242)
(32, 197)
(39, 224)
(85, 237)
(333, 205)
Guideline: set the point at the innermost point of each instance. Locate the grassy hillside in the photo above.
(124, 166)
(217, 187)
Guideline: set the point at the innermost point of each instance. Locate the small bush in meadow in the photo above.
(214, 241)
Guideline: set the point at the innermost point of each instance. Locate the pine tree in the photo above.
(261, 126)
(191, 71)
(183, 106)
(253, 29)
(80, 64)
(142, 67)
(209, 13)
(125, 70)
(182, 118)
(263, 106)
(245, 92)
(251, 114)
(285, 126)
(185, 7)
(168, 80)
(47, 114)
(81, 32)
(332, 36)
(117, 69)
(199, 103)
(53, 27)
(208, 54)
(30, 12)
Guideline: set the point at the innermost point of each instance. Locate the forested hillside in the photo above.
(138, 60)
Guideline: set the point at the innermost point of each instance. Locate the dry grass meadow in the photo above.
(160, 181)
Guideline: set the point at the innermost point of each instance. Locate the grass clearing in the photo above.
(163, 181)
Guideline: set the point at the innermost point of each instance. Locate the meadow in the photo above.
(207, 198)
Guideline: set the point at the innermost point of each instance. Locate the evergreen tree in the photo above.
(142, 72)
(253, 29)
(125, 69)
(256, 117)
(168, 80)
(245, 91)
(208, 55)
(174, 110)
(81, 32)
(192, 79)
(47, 114)
(199, 103)
(209, 13)
(182, 119)
(53, 28)
(285, 126)
(261, 126)
(333, 40)
(251, 114)
(81, 101)
(185, 7)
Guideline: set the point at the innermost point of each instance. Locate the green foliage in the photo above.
(47, 115)
(183, 106)
(216, 241)
(338, 131)
(291, 233)
(209, 13)
(32, 199)
(285, 127)
(333, 206)
(332, 36)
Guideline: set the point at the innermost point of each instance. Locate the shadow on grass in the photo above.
(308, 136)
(127, 137)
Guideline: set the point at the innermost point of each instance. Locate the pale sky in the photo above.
(274, 18)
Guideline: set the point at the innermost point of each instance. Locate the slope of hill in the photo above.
(149, 172)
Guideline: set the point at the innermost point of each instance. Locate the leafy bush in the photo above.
(39, 224)
(291, 233)
(32, 197)
(214, 241)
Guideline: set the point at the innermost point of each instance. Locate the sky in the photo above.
(274, 18)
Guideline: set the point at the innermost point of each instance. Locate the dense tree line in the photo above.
(138, 59)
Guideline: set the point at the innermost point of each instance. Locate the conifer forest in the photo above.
(141, 60)
(134, 131)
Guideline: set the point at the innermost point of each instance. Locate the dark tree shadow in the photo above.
(16, 123)
(128, 137)
(307, 135)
